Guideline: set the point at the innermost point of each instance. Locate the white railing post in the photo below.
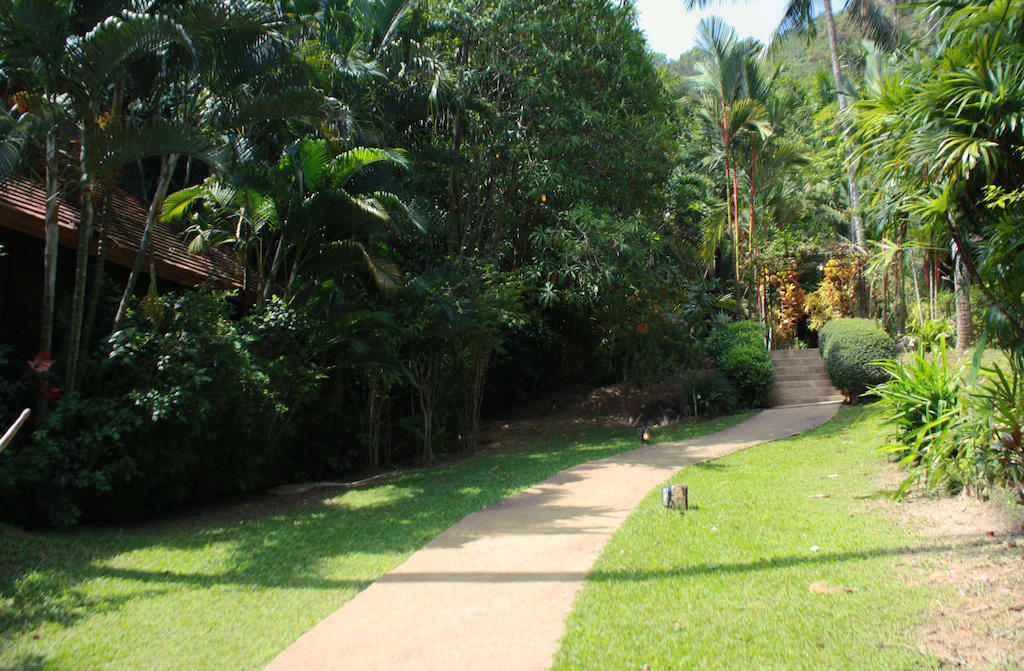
(9, 436)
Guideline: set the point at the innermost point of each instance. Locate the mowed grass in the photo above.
(728, 584)
(229, 589)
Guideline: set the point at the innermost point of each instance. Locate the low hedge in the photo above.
(729, 335)
(848, 347)
(751, 369)
(739, 350)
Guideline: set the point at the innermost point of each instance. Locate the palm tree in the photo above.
(314, 212)
(32, 36)
(229, 88)
(945, 134)
(723, 87)
(76, 76)
(798, 19)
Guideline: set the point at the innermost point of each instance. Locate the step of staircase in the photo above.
(800, 377)
(801, 372)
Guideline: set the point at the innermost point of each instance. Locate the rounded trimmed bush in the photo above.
(848, 347)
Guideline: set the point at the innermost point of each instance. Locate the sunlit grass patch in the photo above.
(779, 564)
(230, 588)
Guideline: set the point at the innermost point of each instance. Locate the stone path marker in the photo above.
(493, 591)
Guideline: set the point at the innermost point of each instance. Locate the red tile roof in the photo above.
(22, 208)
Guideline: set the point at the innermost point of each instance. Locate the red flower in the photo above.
(49, 394)
(41, 362)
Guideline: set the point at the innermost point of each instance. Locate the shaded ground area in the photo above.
(580, 407)
(977, 616)
(229, 587)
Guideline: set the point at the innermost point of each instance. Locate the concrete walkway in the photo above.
(493, 591)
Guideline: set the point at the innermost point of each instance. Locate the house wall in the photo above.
(21, 293)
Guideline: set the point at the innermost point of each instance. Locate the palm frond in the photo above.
(96, 56)
(113, 150)
(797, 21)
(347, 164)
(351, 256)
(868, 15)
(299, 102)
(176, 205)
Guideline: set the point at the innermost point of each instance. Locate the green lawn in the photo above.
(229, 589)
(727, 585)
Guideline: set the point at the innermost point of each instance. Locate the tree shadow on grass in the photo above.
(823, 559)
(47, 577)
(630, 574)
(31, 663)
(272, 544)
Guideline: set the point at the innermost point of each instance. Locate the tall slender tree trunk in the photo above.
(52, 229)
(900, 311)
(426, 373)
(917, 287)
(98, 268)
(962, 292)
(85, 226)
(851, 177)
(731, 217)
(374, 383)
(476, 372)
(753, 192)
(458, 236)
(754, 276)
(167, 165)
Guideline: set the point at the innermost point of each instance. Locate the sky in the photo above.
(671, 30)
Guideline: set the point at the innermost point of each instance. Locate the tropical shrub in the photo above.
(792, 300)
(997, 407)
(835, 296)
(739, 350)
(751, 369)
(723, 337)
(703, 395)
(849, 348)
(951, 433)
(191, 405)
(928, 334)
(924, 404)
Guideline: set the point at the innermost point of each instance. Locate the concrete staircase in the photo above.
(800, 377)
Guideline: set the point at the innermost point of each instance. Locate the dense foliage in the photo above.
(193, 405)
(438, 209)
(441, 209)
(850, 348)
(739, 350)
(940, 127)
(952, 429)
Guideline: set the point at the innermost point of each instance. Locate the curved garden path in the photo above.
(493, 591)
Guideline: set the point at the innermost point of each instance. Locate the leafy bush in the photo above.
(751, 369)
(835, 296)
(704, 395)
(923, 401)
(998, 410)
(949, 433)
(849, 347)
(728, 335)
(191, 405)
(927, 334)
(739, 350)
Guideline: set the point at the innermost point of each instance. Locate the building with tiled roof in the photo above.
(22, 212)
